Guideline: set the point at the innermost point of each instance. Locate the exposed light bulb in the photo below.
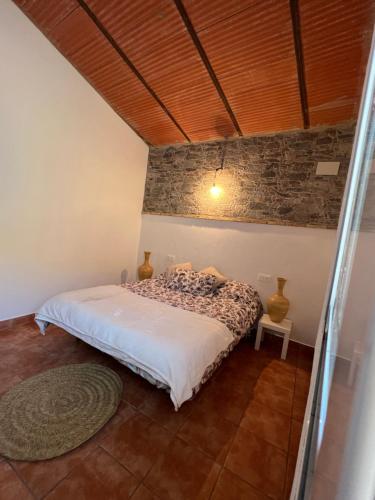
(215, 191)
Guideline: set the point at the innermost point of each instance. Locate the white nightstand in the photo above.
(285, 327)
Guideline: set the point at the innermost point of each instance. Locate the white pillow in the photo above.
(220, 278)
(184, 265)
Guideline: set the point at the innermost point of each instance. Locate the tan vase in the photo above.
(277, 304)
(145, 270)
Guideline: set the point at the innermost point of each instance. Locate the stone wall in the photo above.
(266, 179)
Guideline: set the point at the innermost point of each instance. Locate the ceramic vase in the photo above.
(145, 270)
(277, 304)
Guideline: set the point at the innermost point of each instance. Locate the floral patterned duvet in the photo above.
(235, 304)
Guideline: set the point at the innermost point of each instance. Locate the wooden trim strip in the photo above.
(125, 58)
(206, 62)
(270, 222)
(298, 48)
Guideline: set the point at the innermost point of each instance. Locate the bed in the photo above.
(174, 336)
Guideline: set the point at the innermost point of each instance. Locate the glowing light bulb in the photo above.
(215, 191)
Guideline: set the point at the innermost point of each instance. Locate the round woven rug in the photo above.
(57, 410)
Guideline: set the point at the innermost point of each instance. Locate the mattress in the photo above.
(174, 339)
(235, 304)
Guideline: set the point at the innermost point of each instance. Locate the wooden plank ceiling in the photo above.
(193, 70)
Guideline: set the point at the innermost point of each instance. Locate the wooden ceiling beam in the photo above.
(298, 48)
(189, 26)
(126, 59)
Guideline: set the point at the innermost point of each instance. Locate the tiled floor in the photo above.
(238, 439)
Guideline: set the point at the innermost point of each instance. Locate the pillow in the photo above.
(220, 278)
(237, 291)
(174, 267)
(185, 280)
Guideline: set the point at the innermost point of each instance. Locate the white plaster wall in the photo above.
(241, 251)
(71, 175)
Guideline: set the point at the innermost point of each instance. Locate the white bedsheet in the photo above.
(173, 345)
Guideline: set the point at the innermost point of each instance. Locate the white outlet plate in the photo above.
(171, 259)
(327, 168)
(264, 278)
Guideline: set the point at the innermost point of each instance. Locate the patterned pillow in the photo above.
(175, 267)
(237, 291)
(220, 278)
(192, 282)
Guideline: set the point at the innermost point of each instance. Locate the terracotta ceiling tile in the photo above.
(336, 41)
(83, 44)
(46, 14)
(217, 11)
(252, 54)
(157, 43)
(249, 44)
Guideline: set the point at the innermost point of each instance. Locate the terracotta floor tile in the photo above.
(8, 345)
(258, 463)
(274, 397)
(292, 354)
(305, 357)
(229, 403)
(25, 321)
(158, 406)
(98, 477)
(242, 351)
(280, 374)
(11, 488)
(25, 362)
(182, 473)
(5, 326)
(123, 413)
(7, 336)
(136, 389)
(231, 487)
(268, 424)
(247, 365)
(43, 475)
(7, 381)
(80, 354)
(142, 493)
(232, 377)
(135, 441)
(299, 406)
(55, 340)
(289, 476)
(209, 432)
(272, 344)
(295, 436)
(139, 438)
(302, 381)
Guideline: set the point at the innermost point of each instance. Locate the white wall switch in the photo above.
(264, 278)
(327, 168)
